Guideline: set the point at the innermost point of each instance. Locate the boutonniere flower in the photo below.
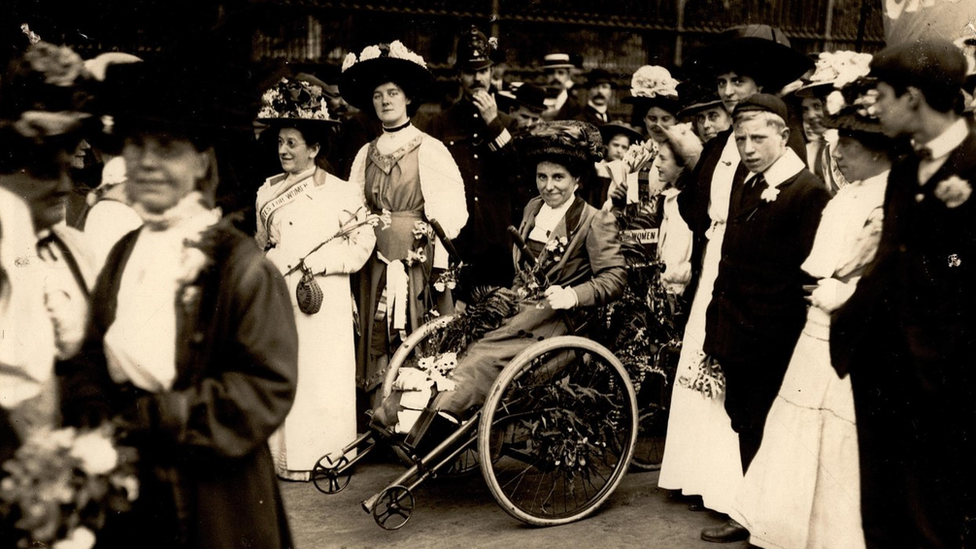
(557, 248)
(954, 191)
(769, 194)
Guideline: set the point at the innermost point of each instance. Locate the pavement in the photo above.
(460, 512)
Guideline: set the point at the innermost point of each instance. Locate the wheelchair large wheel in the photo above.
(557, 431)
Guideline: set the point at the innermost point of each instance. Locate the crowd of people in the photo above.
(812, 212)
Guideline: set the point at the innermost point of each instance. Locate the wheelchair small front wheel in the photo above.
(557, 431)
(328, 475)
(393, 508)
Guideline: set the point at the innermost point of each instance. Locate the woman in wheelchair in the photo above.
(567, 257)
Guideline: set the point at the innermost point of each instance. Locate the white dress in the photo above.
(323, 417)
(803, 488)
(701, 451)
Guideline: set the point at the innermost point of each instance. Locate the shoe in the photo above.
(729, 532)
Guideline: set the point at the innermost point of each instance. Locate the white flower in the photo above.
(79, 538)
(349, 61)
(399, 51)
(835, 102)
(653, 81)
(841, 68)
(769, 194)
(370, 52)
(95, 452)
(954, 191)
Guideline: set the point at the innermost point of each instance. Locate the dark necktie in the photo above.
(757, 181)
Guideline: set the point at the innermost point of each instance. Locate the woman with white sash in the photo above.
(299, 213)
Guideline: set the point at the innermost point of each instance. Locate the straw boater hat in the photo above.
(379, 64)
(653, 86)
(299, 100)
(557, 61)
(760, 52)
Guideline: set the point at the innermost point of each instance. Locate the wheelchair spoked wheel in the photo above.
(557, 431)
(652, 425)
(464, 464)
(326, 476)
(393, 508)
(416, 345)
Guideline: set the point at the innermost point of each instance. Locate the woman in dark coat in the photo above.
(192, 347)
(577, 253)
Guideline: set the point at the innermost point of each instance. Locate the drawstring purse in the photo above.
(308, 293)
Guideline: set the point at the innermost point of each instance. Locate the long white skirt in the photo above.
(701, 451)
(803, 488)
(323, 417)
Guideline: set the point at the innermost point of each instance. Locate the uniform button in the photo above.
(476, 178)
(476, 199)
(902, 248)
(919, 197)
(475, 115)
(476, 156)
(198, 337)
(451, 143)
(476, 137)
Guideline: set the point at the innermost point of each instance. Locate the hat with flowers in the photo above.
(571, 141)
(290, 100)
(653, 86)
(833, 71)
(379, 64)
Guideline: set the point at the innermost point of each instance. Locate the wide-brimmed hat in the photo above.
(198, 100)
(571, 140)
(526, 95)
(379, 64)
(834, 70)
(619, 127)
(653, 86)
(696, 97)
(301, 99)
(475, 51)
(760, 52)
(557, 61)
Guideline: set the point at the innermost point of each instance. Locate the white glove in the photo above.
(561, 298)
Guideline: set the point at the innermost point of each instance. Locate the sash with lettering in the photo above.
(285, 195)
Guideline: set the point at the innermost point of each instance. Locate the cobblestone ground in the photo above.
(460, 512)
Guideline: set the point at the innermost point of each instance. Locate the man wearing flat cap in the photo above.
(907, 336)
(480, 140)
(758, 308)
(599, 89)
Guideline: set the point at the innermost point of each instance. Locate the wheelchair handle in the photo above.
(448, 243)
(520, 244)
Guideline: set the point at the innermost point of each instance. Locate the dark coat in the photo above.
(489, 166)
(758, 306)
(206, 476)
(589, 114)
(908, 339)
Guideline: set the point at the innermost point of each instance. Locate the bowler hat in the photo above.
(599, 76)
(379, 64)
(762, 102)
(760, 52)
(527, 95)
(474, 51)
(935, 67)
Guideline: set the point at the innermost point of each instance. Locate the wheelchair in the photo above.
(553, 440)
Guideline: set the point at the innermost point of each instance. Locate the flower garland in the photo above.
(62, 485)
(841, 68)
(395, 49)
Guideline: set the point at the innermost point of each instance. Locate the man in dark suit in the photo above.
(908, 334)
(559, 69)
(480, 140)
(599, 90)
(758, 309)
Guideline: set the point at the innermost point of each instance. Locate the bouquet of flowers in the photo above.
(60, 486)
(709, 378)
